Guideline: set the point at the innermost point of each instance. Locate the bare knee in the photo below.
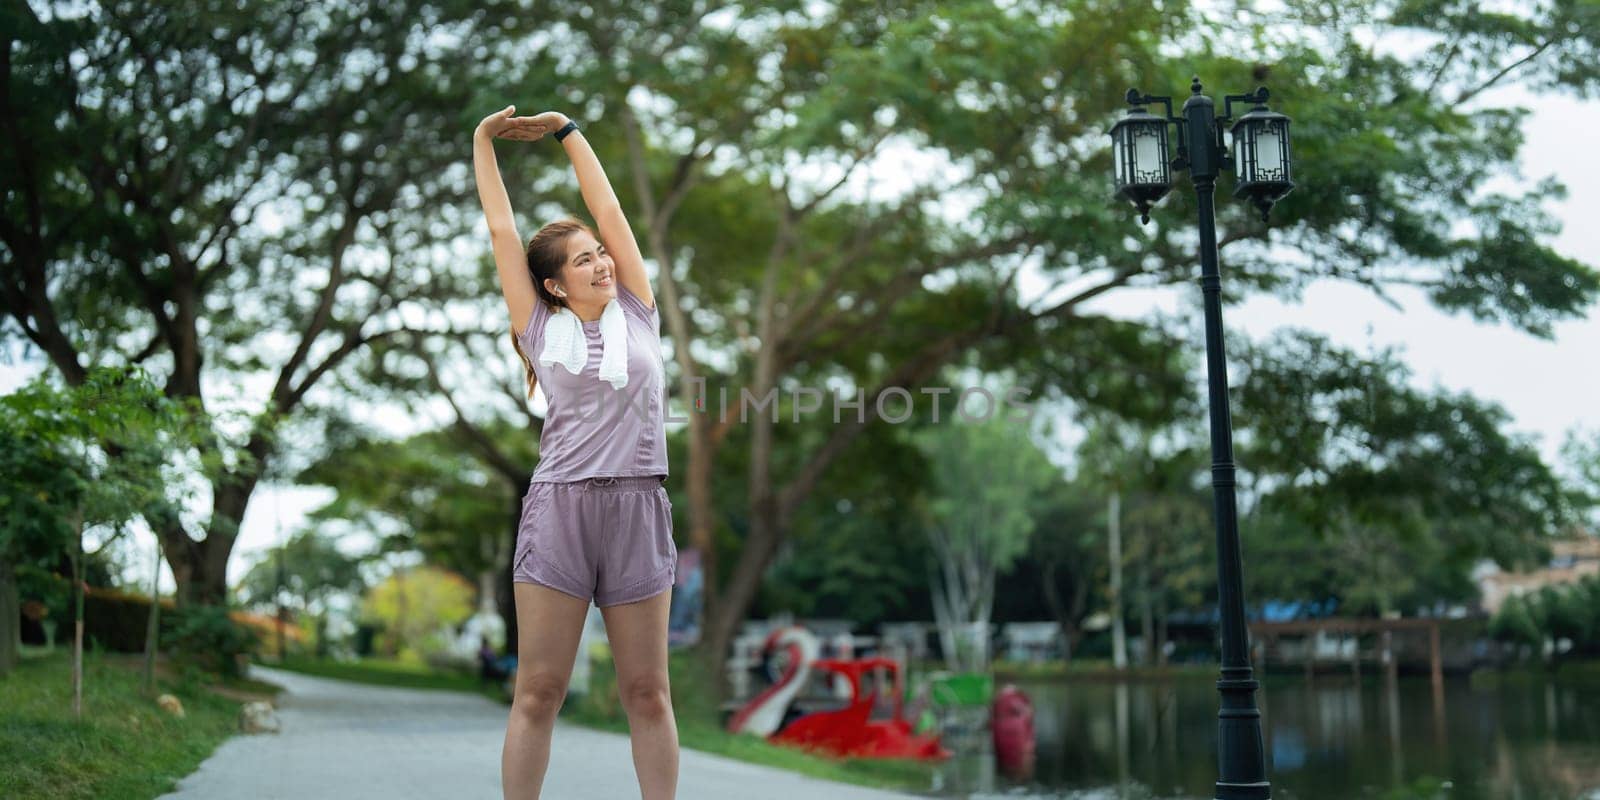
(647, 698)
(539, 697)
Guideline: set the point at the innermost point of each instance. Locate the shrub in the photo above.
(206, 638)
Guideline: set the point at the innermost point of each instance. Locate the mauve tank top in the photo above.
(592, 430)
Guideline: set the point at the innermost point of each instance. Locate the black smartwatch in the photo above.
(566, 129)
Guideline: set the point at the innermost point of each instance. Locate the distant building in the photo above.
(1572, 559)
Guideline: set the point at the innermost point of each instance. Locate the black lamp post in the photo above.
(1260, 160)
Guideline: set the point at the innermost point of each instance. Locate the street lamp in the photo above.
(1260, 160)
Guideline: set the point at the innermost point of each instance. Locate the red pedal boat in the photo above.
(845, 732)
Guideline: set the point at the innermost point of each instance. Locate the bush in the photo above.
(1569, 611)
(206, 638)
(113, 620)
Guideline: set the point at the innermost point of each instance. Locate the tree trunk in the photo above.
(1147, 621)
(505, 595)
(1067, 614)
(1161, 629)
(1052, 600)
(717, 630)
(1119, 637)
(10, 618)
(201, 580)
(702, 516)
(722, 623)
(152, 626)
(200, 567)
(77, 616)
(396, 642)
(283, 612)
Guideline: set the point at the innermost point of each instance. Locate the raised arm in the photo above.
(602, 203)
(509, 259)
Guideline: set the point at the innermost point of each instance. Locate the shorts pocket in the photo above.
(666, 548)
(534, 504)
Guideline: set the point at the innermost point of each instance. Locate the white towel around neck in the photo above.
(564, 343)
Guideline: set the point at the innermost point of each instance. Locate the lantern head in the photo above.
(1261, 156)
(1139, 152)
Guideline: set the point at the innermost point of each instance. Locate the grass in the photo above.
(125, 747)
(1569, 672)
(1095, 669)
(386, 672)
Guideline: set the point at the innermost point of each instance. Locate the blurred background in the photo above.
(261, 406)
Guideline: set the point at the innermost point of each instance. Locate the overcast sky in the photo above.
(1548, 386)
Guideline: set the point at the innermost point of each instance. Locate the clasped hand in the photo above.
(501, 125)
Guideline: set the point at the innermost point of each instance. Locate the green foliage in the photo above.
(432, 490)
(985, 478)
(310, 570)
(415, 607)
(194, 183)
(978, 518)
(1581, 451)
(206, 639)
(187, 173)
(1519, 620)
(93, 454)
(1366, 489)
(1570, 611)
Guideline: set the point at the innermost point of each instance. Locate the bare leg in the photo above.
(548, 624)
(638, 636)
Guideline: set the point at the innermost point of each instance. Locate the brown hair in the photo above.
(547, 254)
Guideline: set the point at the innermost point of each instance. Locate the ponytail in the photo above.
(527, 366)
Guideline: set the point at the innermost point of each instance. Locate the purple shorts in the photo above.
(609, 539)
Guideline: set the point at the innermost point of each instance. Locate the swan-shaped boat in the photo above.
(844, 732)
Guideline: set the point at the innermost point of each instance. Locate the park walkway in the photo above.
(352, 741)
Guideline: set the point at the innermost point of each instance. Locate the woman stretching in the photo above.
(596, 522)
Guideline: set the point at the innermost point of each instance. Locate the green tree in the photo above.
(792, 281)
(1539, 620)
(978, 518)
(1581, 452)
(1156, 522)
(415, 606)
(435, 493)
(719, 111)
(861, 557)
(1069, 553)
(90, 456)
(1167, 519)
(1366, 489)
(308, 571)
(222, 190)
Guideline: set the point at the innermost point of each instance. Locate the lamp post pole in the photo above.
(1261, 157)
(1240, 759)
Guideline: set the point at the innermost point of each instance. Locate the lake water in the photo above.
(1331, 740)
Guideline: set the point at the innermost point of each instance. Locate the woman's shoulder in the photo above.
(635, 307)
(533, 327)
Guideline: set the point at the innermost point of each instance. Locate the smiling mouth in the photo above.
(606, 281)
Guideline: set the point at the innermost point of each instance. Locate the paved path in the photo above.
(352, 741)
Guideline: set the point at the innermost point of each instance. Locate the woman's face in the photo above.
(589, 276)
